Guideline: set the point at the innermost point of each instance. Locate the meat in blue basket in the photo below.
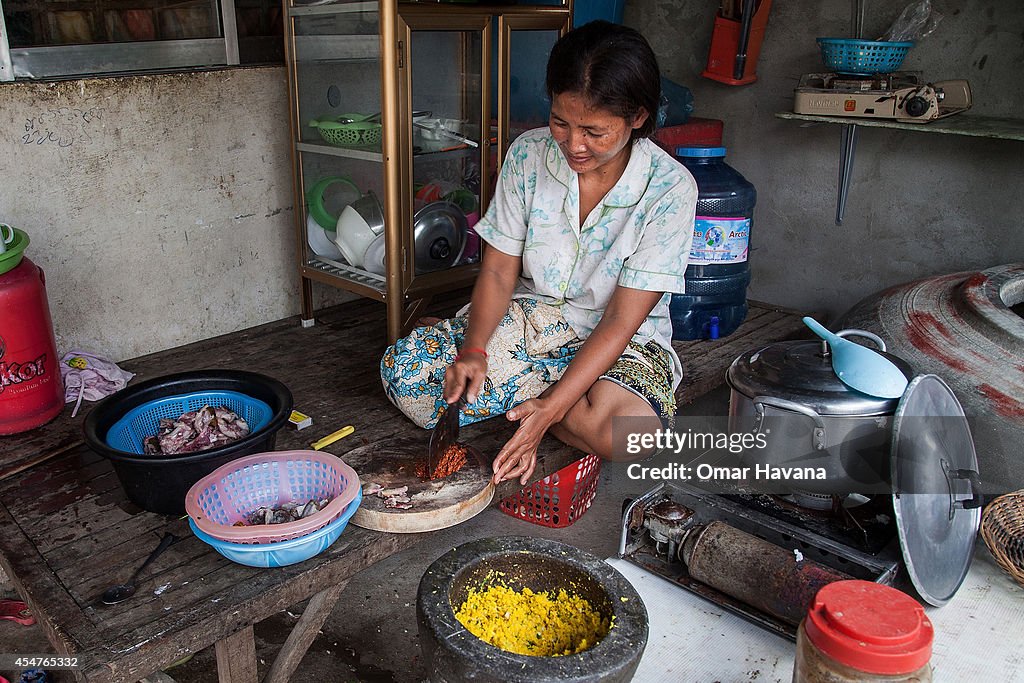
(197, 430)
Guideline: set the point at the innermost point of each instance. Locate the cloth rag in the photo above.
(90, 377)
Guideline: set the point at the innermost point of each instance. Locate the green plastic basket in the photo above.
(343, 131)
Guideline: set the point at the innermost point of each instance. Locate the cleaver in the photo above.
(444, 435)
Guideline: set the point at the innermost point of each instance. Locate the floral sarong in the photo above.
(528, 352)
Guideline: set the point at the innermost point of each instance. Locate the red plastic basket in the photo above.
(557, 500)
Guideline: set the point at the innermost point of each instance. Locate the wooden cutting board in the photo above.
(436, 504)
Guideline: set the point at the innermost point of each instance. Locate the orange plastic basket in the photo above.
(557, 500)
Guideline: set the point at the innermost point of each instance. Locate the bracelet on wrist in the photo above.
(469, 351)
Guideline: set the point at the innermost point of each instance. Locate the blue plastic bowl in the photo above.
(282, 553)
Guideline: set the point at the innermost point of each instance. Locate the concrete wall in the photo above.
(159, 207)
(919, 203)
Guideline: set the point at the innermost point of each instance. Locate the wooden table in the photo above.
(69, 531)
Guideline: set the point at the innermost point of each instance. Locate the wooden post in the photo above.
(236, 657)
(303, 634)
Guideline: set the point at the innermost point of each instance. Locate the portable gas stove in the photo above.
(758, 556)
(901, 95)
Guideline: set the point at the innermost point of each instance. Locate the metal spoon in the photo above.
(116, 594)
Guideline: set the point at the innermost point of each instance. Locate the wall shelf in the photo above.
(305, 10)
(972, 125)
(346, 152)
(958, 124)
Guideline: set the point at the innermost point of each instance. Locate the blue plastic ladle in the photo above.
(859, 367)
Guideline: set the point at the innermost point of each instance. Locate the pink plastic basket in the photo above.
(229, 493)
(557, 500)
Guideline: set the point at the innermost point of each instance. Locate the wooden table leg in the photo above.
(303, 634)
(236, 657)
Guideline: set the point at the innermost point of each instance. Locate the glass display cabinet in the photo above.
(401, 112)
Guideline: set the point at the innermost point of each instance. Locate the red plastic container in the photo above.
(31, 390)
(557, 500)
(696, 132)
(859, 631)
(725, 41)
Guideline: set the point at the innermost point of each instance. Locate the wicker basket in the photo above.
(1002, 527)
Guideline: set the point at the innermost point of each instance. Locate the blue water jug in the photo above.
(715, 302)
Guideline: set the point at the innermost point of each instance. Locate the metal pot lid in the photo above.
(439, 231)
(800, 371)
(936, 489)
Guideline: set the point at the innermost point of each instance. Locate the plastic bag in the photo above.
(675, 105)
(916, 21)
(90, 377)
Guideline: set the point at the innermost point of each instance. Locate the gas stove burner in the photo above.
(667, 522)
(836, 511)
(857, 521)
(820, 501)
(835, 81)
(681, 532)
(903, 96)
(671, 514)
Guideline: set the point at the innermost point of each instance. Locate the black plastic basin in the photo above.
(159, 483)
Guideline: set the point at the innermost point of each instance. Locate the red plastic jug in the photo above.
(31, 390)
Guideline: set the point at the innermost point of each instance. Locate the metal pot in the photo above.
(789, 393)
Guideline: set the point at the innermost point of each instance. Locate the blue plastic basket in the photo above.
(128, 433)
(282, 553)
(862, 57)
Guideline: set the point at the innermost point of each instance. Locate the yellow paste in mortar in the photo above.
(529, 623)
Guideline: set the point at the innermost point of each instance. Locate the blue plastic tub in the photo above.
(282, 553)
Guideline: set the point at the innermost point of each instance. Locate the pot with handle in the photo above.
(810, 419)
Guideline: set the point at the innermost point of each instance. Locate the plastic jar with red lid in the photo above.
(858, 632)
